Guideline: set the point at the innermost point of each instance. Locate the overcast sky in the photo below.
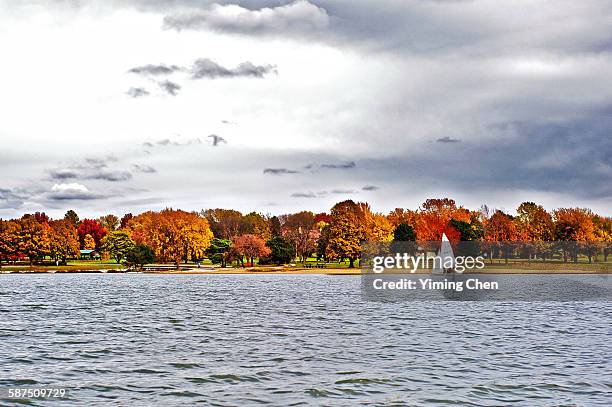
(109, 106)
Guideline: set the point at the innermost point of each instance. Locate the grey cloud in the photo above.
(147, 169)
(92, 169)
(571, 158)
(137, 92)
(154, 70)
(170, 87)
(347, 165)
(279, 171)
(303, 195)
(11, 199)
(63, 173)
(370, 188)
(147, 144)
(207, 68)
(447, 139)
(299, 18)
(342, 191)
(112, 176)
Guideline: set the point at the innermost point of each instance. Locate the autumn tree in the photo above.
(224, 223)
(574, 226)
(300, 229)
(377, 227)
(41, 217)
(347, 231)
(173, 235)
(89, 243)
(250, 246)
(34, 238)
(118, 244)
(256, 224)
(109, 222)
(125, 220)
(603, 233)
(94, 229)
(535, 226)
(10, 232)
(434, 219)
(64, 240)
(405, 216)
(500, 230)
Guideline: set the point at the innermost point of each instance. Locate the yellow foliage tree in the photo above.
(89, 243)
(64, 240)
(346, 231)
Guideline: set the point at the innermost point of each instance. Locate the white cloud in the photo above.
(300, 16)
(73, 186)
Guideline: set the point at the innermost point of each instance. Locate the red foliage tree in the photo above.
(125, 220)
(322, 217)
(93, 228)
(250, 246)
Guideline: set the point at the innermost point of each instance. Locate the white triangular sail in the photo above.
(447, 257)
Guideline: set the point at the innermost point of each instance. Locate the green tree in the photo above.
(138, 256)
(322, 243)
(404, 233)
(72, 217)
(281, 250)
(219, 251)
(118, 244)
(275, 226)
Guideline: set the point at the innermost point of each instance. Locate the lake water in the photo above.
(137, 339)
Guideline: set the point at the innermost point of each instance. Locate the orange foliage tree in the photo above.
(173, 235)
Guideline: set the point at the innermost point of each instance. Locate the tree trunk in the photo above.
(351, 263)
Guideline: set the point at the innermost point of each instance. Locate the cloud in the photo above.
(207, 68)
(447, 139)
(299, 17)
(349, 164)
(154, 70)
(112, 176)
(279, 171)
(170, 87)
(70, 192)
(303, 195)
(92, 169)
(370, 188)
(342, 191)
(11, 199)
(147, 169)
(172, 142)
(137, 92)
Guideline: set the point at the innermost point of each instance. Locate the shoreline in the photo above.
(292, 271)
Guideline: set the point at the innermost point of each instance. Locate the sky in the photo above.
(116, 106)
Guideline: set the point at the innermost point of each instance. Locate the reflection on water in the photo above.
(286, 340)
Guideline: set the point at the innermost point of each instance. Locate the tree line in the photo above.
(226, 235)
